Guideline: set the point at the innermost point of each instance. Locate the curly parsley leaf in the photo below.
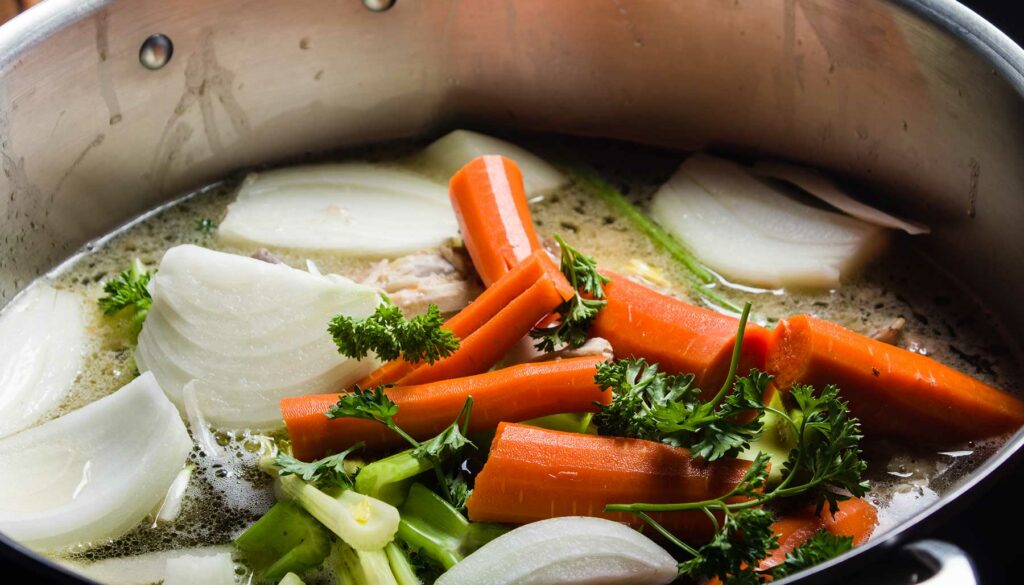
(365, 403)
(816, 550)
(579, 312)
(389, 334)
(638, 391)
(328, 472)
(129, 290)
(744, 539)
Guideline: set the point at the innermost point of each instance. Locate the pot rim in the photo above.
(33, 26)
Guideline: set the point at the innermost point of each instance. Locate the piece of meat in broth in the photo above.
(427, 278)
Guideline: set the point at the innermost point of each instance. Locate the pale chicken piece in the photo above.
(890, 333)
(525, 352)
(419, 280)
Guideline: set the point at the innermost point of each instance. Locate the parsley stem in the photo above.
(391, 425)
(734, 363)
(668, 535)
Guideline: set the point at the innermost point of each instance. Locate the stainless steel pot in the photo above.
(920, 99)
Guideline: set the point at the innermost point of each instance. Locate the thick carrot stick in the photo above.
(517, 393)
(533, 473)
(681, 338)
(895, 392)
(856, 518)
(482, 309)
(485, 346)
(494, 217)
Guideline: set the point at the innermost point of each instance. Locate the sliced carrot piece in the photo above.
(895, 392)
(533, 473)
(494, 217)
(856, 518)
(475, 315)
(679, 337)
(517, 393)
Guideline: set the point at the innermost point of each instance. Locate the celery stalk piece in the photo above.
(363, 522)
(356, 567)
(777, 439)
(569, 422)
(291, 579)
(436, 529)
(389, 479)
(286, 539)
(403, 570)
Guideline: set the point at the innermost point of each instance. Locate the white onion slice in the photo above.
(215, 569)
(201, 433)
(170, 508)
(569, 550)
(754, 234)
(446, 155)
(356, 209)
(823, 187)
(94, 473)
(249, 333)
(42, 342)
(143, 569)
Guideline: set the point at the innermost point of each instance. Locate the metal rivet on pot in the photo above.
(378, 5)
(156, 51)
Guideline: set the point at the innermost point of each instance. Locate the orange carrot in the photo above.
(894, 392)
(517, 393)
(856, 518)
(680, 337)
(533, 473)
(491, 302)
(490, 204)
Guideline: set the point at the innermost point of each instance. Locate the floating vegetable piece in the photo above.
(142, 569)
(438, 531)
(754, 234)
(823, 187)
(42, 342)
(200, 570)
(895, 392)
(291, 579)
(94, 473)
(517, 393)
(401, 567)
(532, 474)
(494, 217)
(388, 479)
(170, 507)
(249, 333)
(283, 540)
(451, 152)
(572, 550)
(356, 209)
(681, 338)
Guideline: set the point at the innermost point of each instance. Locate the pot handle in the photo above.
(951, 565)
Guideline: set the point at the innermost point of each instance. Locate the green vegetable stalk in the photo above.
(437, 530)
(389, 479)
(285, 540)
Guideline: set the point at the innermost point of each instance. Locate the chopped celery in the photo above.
(291, 579)
(569, 422)
(389, 479)
(365, 523)
(777, 439)
(437, 530)
(403, 570)
(362, 567)
(286, 539)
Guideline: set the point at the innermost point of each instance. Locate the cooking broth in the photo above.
(226, 495)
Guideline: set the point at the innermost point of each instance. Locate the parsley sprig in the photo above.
(374, 404)
(389, 334)
(129, 290)
(578, 312)
(825, 463)
(328, 472)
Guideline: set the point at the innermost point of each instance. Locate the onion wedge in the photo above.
(92, 474)
(248, 333)
(446, 155)
(216, 569)
(143, 569)
(568, 550)
(354, 209)
(42, 342)
(753, 234)
(823, 187)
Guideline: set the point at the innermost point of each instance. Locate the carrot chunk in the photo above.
(533, 473)
(478, 313)
(679, 337)
(517, 393)
(895, 393)
(493, 215)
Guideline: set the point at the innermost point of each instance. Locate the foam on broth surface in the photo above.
(227, 495)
